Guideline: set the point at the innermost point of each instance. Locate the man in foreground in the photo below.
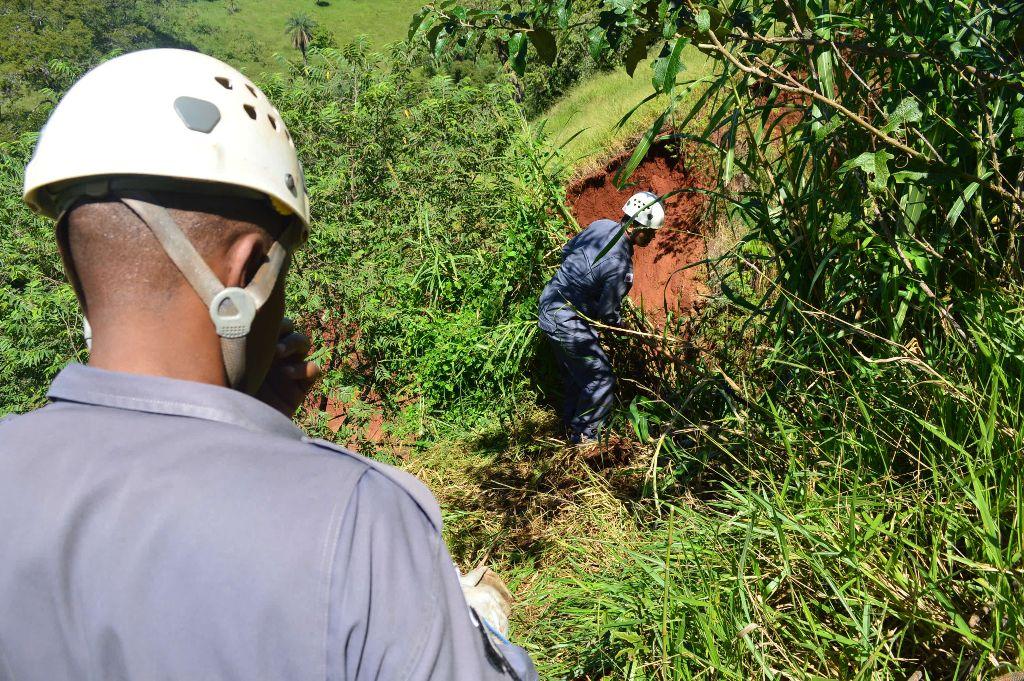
(162, 517)
(596, 274)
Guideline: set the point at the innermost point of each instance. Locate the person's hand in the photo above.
(291, 376)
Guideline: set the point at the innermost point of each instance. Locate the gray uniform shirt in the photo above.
(160, 529)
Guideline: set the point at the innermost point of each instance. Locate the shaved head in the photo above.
(119, 262)
(144, 314)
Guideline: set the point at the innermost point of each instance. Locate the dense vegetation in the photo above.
(46, 47)
(856, 436)
(431, 211)
(829, 486)
(46, 44)
(40, 328)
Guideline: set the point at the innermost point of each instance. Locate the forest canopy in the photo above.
(47, 44)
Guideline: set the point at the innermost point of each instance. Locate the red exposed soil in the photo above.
(339, 416)
(343, 339)
(661, 284)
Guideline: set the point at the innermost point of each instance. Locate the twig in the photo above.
(797, 87)
(873, 50)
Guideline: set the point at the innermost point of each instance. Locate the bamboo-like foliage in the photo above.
(429, 224)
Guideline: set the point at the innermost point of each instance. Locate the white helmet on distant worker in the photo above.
(646, 209)
(174, 120)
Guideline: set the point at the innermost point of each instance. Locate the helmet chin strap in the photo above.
(232, 309)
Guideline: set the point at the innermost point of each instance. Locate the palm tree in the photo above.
(300, 28)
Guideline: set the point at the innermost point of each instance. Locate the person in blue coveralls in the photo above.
(596, 274)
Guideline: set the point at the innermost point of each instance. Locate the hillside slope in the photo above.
(250, 32)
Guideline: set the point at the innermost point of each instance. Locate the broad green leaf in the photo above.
(563, 15)
(908, 176)
(637, 52)
(882, 169)
(907, 111)
(439, 44)
(703, 20)
(668, 24)
(417, 20)
(875, 166)
(667, 68)
(838, 230)
(544, 42)
(517, 52)
(597, 41)
(823, 131)
(432, 35)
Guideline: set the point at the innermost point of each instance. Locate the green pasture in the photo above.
(585, 121)
(254, 30)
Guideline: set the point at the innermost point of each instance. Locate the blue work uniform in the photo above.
(596, 274)
(153, 528)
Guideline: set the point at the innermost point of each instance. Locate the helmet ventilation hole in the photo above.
(225, 83)
(273, 122)
(251, 110)
(251, 89)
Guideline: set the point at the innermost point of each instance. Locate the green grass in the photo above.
(592, 110)
(256, 31)
(779, 560)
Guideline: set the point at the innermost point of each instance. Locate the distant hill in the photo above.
(249, 32)
(46, 45)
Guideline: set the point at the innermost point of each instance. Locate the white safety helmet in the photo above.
(646, 210)
(170, 114)
(180, 121)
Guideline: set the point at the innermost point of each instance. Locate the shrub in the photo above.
(430, 221)
(40, 330)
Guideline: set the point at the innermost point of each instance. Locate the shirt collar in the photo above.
(158, 395)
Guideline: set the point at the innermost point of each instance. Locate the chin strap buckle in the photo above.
(232, 311)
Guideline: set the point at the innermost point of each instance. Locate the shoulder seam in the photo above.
(389, 473)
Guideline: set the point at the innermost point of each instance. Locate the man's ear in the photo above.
(243, 259)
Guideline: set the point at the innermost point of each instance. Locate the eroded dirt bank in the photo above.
(661, 283)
